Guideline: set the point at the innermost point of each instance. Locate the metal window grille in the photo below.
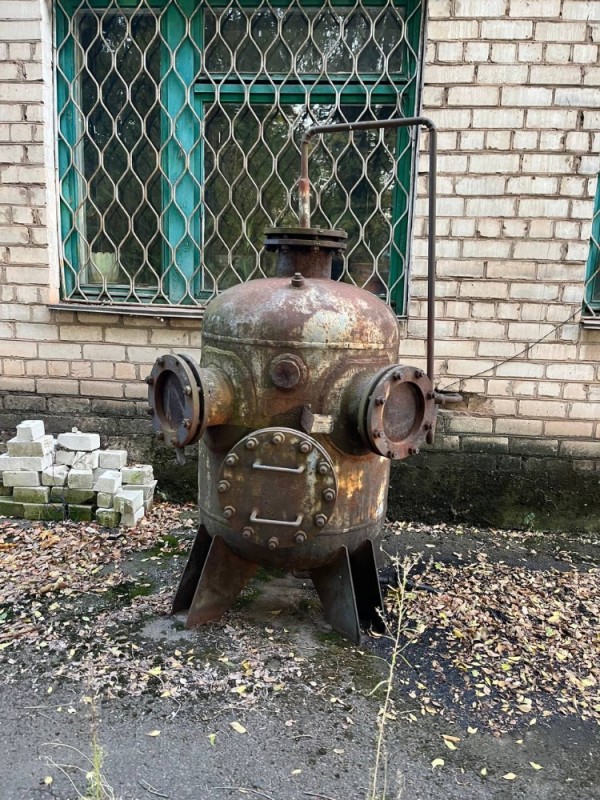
(179, 125)
(591, 304)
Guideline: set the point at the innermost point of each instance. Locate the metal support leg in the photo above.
(224, 575)
(366, 586)
(334, 586)
(191, 573)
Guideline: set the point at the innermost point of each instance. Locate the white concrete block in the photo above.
(139, 475)
(29, 463)
(79, 441)
(108, 481)
(131, 520)
(148, 489)
(105, 499)
(38, 447)
(30, 429)
(55, 475)
(113, 459)
(4, 464)
(65, 457)
(85, 460)
(128, 501)
(80, 479)
(21, 478)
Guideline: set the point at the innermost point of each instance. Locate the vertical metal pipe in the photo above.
(405, 122)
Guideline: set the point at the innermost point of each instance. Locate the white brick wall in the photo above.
(513, 88)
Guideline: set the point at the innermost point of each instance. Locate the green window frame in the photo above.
(186, 94)
(591, 304)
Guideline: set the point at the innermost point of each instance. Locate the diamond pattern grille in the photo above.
(179, 125)
(591, 307)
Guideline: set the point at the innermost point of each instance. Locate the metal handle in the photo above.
(255, 518)
(404, 122)
(269, 468)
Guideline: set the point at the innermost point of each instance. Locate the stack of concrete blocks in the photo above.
(41, 477)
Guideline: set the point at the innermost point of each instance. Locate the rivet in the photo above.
(223, 486)
(305, 447)
(300, 537)
(379, 401)
(320, 520)
(247, 533)
(149, 380)
(251, 444)
(187, 390)
(323, 468)
(231, 460)
(329, 495)
(273, 543)
(278, 438)
(228, 512)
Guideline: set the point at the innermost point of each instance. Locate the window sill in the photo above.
(591, 323)
(160, 312)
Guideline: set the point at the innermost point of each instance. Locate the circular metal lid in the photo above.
(277, 487)
(398, 411)
(175, 399)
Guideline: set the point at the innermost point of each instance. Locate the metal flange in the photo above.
(397, 411)
(175, 400)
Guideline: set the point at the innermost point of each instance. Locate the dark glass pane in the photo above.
(120, 144)
(278, 41)
(251, 181)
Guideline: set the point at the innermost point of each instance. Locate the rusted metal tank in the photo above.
(299, 404)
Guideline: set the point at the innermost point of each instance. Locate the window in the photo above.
(591, 304)
(178, 140)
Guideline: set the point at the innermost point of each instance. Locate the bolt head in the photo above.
(251, 444)
(418, 373)
(160, 361)
(223, 486)
(247, 532)
(187, 390)
(329, 495)
(397, 376)
(300, 537)
(278, 438)
(273, 543)
(377, 434)
(149, 380)
(320, 520)
(228, 512)
(150, 411)
(231, 460)
(379, 401)
(305, 447)
(323, 468)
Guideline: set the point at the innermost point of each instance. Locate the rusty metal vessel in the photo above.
(299, 404)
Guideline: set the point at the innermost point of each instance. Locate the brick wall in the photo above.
(514, 87)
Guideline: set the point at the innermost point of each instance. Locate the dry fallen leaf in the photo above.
(510, 776)
(238, 727)
(153, 733)
(450, 745)
(536, 766)
(437, 762)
